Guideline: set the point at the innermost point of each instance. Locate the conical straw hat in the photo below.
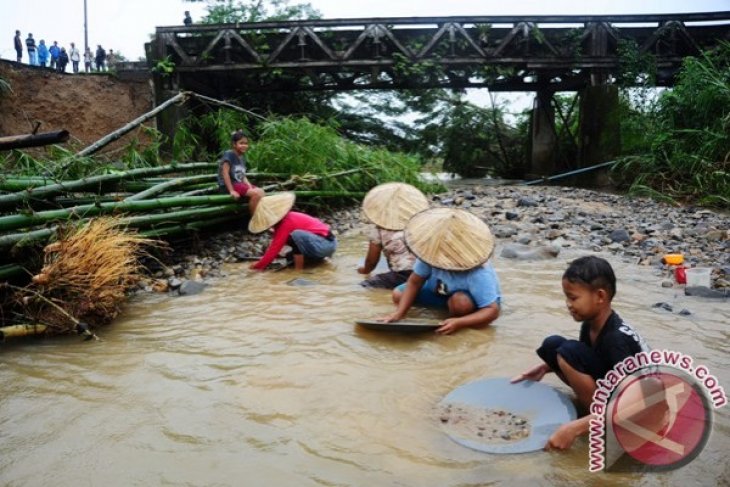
(270, 210)
(449, 239)
(391, 205)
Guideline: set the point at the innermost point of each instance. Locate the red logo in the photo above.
(661, 419)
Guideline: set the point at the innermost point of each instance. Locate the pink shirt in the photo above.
(292, 221)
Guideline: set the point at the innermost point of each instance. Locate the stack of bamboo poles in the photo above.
(31, 209)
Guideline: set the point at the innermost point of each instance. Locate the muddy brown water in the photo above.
(256, 382)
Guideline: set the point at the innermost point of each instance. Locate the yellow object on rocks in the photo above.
(673, 259)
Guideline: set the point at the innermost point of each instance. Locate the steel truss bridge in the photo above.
(503, 53)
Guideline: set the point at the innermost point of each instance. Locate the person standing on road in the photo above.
(75, 57)
(55, 52)
(18, 46)
(88, 56)
(42, 53)
(100, 57)
(30, 44)
(62, 60)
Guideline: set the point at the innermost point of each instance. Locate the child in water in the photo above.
(232, 172)
(589, 285)
(389, 206)
(452, 247)
(311, 239)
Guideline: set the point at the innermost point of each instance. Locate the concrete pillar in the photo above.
(543, 138)
(600, 133)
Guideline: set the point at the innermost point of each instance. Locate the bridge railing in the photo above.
(383, 49)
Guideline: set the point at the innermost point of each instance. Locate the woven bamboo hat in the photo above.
(270, 210)
(449, 239)
(391, 205)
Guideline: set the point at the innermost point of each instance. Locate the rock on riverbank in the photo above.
(638, 229)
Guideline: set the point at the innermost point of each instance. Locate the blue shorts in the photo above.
(313, 246)
(426, 297)
(578, 355)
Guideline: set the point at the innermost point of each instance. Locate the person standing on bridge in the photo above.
(232, 172)
(188, 20)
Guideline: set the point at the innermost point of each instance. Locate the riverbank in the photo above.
(637, 230)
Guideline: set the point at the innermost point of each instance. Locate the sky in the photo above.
(125, 25)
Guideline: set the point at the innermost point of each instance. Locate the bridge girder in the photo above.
(502, 53)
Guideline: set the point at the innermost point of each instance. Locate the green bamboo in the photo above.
(10, 270)
(12, 222)
(162, 187)
(140, 221)
(185, 228)
(26, 237)
(57, 188)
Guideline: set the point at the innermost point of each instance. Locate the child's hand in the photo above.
(234, 195)
(563, 438)
(391, 317)
(448, 326)
(361, 270)
(536, 373)
(253, 267)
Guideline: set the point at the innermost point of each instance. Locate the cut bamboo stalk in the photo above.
(141, 221)
(57, 188)
(12, 222)
(21, 330)
(10, 270)
(180, 97)
(173, 183)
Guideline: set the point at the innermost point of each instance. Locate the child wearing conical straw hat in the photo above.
(389, 206)
(452, 247)
(311, 239)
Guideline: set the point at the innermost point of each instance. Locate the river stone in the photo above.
(301, 282)
(525, 252)
(504, 231)
(619, 235)
(706, 292)
(189, 288)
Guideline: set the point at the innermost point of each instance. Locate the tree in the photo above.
(231, 11)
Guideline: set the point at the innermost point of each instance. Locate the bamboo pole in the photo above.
(186, 227)
(10, 270)
(12, 222)
(57, 188)
(22, 330)
(141, 221)
(162, 187)
(182, 97)
(226, 104)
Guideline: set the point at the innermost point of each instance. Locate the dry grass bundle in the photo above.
(86, 273)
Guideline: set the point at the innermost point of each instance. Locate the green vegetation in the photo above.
(678, 147)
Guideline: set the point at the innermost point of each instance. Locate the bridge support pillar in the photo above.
(600, 133)
(168, 120)
(543, 138)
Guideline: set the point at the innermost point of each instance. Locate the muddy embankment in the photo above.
(89, 106)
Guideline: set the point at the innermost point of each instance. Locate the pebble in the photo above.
(639, 229)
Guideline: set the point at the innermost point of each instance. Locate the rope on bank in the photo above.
(569, 173)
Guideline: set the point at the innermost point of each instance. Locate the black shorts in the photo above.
(578, 355)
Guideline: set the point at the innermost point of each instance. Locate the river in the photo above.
(257, 382)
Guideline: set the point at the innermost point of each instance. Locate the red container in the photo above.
(679, 275)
